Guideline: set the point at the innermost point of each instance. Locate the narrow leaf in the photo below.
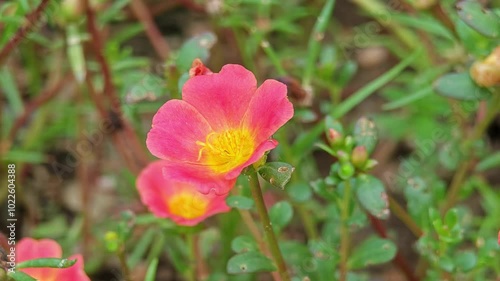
(21, 276)
(47, 262)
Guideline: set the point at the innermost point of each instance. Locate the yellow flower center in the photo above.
(226, 150)
(188, 205)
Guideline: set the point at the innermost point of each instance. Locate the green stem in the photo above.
(123, 263)
(461, 173)
(382, 14)
(308, 221)
(371, 87)
(266, 224)
(344, 230)
(317, 34)
(191, 274)
(404, 217)
(271, 54)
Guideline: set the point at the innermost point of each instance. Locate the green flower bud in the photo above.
(346, 171)
(359, 156)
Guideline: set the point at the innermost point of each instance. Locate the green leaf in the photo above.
(332, 123)
(239, 202)
(371, 194)
(465, 261)
(243, 244)
(345, 73)
(474, 42)
(151, 272)
(408, 99)
(196, 47)
(489, 162)
(299, 192)
(325, 148)
(277, 173)
(372, 251)
(17, 155)
(47, 262)
(281, 214)
(21, 276)
(295, 253)
(249, 262)
(141, 247)
(324, 190)
(459, 86)
(9, 87)
(365, 134)
(480, 19)
(370, 88)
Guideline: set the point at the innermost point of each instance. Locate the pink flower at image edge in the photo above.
(177, 200)
(223, 124)
(29, 249)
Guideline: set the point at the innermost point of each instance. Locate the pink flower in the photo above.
(223, 124)
(29, 249)
(177, 200)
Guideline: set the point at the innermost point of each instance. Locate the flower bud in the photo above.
(198, 68)
(349, 142)
(486, 73)
(346, 171)
(112, 241)
(72, 10)
(342, 156)
(334, 137)
(359, 156)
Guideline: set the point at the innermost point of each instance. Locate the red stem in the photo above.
(21, 33)
(141, 11)
(399, 259)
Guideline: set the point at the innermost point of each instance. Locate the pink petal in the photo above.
(153, 190)
(269, 110)
(176, 128)
(74, 272)
(203, 178)
(29, 249)
(222, 98)
(156, 185)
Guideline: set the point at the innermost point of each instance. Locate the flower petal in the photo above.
(157, 185)
(152, 188)
(29, 249)
(269, 110)
(204, 179)
(222, 98)
(74, 272)
(176, 127)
